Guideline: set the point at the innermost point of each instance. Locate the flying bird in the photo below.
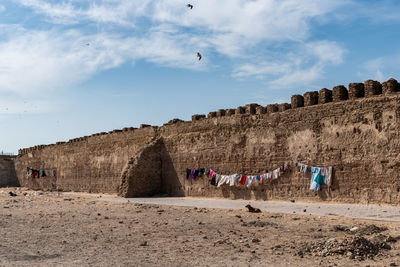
(189, 6)
(199, 55)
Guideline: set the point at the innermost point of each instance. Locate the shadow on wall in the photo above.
(13, 177)
(170, 184)
(8, 175)
(150, 173)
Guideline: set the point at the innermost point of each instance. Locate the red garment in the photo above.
(35, 174)
(243, 180)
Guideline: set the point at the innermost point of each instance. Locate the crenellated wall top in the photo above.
(369, 88)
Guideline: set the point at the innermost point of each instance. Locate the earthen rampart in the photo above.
(8, 176)
(356, 131)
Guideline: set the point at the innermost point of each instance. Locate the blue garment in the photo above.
(315, 179)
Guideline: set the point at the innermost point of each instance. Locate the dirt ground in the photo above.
(61, 229)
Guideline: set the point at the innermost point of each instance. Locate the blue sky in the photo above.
(75, 67)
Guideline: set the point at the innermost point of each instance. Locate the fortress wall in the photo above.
(92, 164)
(7, 171)
(358, 137)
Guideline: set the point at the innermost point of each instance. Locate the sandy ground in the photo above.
(369, 212)
(75, 229)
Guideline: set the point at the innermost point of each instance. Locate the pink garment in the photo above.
(212, 173)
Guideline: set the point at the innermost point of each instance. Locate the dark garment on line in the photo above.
(212, 181)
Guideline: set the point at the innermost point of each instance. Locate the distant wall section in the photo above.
(8, 176)
(90, 164)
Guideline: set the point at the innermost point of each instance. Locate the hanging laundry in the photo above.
(238, 178)
(328, 176)
(243, 180)
(266, 176)
(217, 178)
(276, 173)
(233, 179)
(201, 172)
(315, 179)
(212, 173)
(28, 172)
(250, 180)
(223, 180)
(303, 167)
(212, 181)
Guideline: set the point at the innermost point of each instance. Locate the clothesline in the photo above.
(32, 173)
(319, 176)
(235, 179)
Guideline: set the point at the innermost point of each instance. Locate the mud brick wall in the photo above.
(8, 176)
(359, 137)
(90, 164)
(142, 175)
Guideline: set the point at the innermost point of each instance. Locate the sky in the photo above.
(70, 68)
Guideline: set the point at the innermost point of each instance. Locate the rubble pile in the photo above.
(355, 246)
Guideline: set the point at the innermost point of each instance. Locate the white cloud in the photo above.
(326, 52)
(40, 60)
(14, 104)
(73, 12)
(382, 68)
(169, 35)
(33, 61)
(302, 65)
(2, 8)
(230, 26)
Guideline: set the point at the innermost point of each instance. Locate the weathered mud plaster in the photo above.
(356, 132)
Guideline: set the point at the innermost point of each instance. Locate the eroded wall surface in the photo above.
(92, 164)
(358, 137)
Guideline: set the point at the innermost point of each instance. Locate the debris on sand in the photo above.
(361, 230)
(355, 247)
(12, 194)
(339, 228)
(371, 229)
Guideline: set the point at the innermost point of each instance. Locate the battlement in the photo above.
(355, 91)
